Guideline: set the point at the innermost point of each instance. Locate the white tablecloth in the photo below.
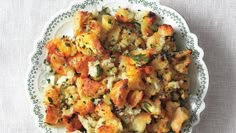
(214, 22)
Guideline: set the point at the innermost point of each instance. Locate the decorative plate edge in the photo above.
(41, 38)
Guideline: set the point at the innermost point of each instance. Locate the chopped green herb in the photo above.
(67, 106)
(105, 10)
(67, 44)
(90, 51)
(50, 100)
(171, 131)
(137, 26)
(106, 99)
(48, 80)
(45, 62)
(57, 50)
(110, 21)
(173, 38)
(51, 71)
(93, 99)
(64, 36)
(78, 74)
(168, 125)
(152, 46)
(146, 106)
(154, 27)
(99, 70)
(139, 59)
(59, 120)
(64, 86)
(115, 48)
(151, 14)
(113, 40)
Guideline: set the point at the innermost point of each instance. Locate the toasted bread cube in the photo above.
(51, 96)
(62, 47)
(152, 107)
(140, 121)
(104, 110)
(147, 20)
(180, 116)
(182, 60)
(119, 93)
(134, 97)
(84, 106)
(72, 123)
(113, 35)
(81, 19)
(108, 22)
(89, 44)
(171, 108)
(165, 30)
(124, 15)
(157, 40)
(53, 115)
(89, 87)
(108, 125)
(59, 64)
(80, 63)
(161, 126)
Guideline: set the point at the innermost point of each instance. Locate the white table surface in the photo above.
(213, 21)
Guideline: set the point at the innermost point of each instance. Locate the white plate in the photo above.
(62, 25)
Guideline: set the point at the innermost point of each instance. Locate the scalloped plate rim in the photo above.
(60, 12)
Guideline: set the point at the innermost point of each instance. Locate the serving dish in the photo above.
(62, 24)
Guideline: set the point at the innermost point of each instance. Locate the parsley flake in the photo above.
(139, 59)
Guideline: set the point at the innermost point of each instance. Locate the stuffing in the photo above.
(119, 73)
